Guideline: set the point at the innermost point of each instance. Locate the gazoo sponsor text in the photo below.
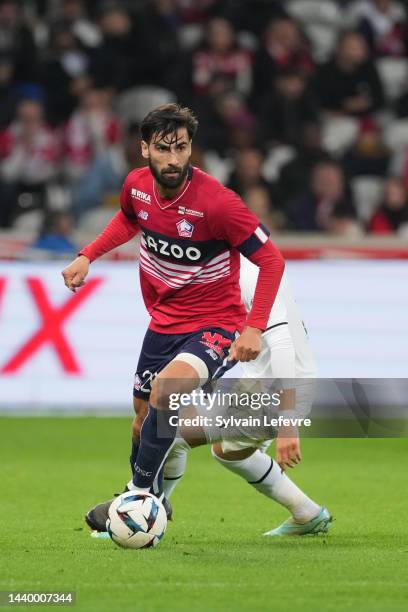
(169, 249)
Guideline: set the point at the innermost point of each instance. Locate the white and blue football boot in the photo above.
(320, 524)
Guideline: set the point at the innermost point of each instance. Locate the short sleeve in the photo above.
(125, 201)
(235, 223)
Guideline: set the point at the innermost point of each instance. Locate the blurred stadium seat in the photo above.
(394, 75)
(133, 104)
(95, 220)
(339, 133)
(321, 21)
(367, 192)
(396, 134)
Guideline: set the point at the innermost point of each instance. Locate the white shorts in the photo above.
(285, 362)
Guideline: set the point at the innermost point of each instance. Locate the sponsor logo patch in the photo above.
(216, 343)
(141, 195)
(185, 228)
(169, 249)
(142, 472)
(138, 383)
(212, 354)
(143, 214)
(182, 210)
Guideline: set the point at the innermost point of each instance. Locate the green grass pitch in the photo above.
(213, 556)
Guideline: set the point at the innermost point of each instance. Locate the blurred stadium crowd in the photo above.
(303, 107)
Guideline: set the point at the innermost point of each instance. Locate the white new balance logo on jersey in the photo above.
(140, 195)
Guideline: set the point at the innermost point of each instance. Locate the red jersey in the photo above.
(189, 252)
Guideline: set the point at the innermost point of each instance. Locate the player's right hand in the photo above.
(288, 447)
(74, 275)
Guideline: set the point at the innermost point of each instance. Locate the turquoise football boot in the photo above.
(320, 524)
(100, 535)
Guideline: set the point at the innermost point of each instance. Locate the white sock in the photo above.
(175, 465)
(132, 487)
(266, 476)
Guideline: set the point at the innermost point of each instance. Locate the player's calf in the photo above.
(265, 475)
(160, 425)
(140, 407)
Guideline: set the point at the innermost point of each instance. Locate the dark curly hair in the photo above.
(166, 119)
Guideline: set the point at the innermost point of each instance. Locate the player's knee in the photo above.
(177, 378)
(161, 392)
(238, 455)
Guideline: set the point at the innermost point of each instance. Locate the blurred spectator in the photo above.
(287, 108)
(383, 25)
(369, 155)
(400, 106)
(8, 94)
(248, 171)
(213, 131)
(117, 62)
(252, 15)
(56, 234)
(17, 40)
(226, 122)
(136, 50)
(196, 11)
(91, 138)
(349, 83)
(89, 133)
(29, 155)
(66, 66)
(73, 13)
(283, 46)
(295, 174)
(258, 199)
(239, 122)
(161, 55)
(132, 150)
(327, 203)
(220, 54)
(392, 215)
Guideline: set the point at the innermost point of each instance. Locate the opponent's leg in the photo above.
(187, 438)
(265, 475)
(175, 466)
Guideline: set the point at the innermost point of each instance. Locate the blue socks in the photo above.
(156, 437)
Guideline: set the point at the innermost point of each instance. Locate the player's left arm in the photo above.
(238, 225)
(268, 258)
(279, 342)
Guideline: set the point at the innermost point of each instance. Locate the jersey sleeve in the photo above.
(233, 222)
(126, 202)
(119, 230)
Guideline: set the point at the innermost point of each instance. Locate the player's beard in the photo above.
(165, 180)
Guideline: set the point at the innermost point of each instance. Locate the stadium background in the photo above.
(310, 126)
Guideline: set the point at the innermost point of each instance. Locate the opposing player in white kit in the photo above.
(285, 355)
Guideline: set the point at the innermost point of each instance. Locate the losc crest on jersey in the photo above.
(170, 249)
(185, 228)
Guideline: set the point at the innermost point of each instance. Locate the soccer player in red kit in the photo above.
(193, 230)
